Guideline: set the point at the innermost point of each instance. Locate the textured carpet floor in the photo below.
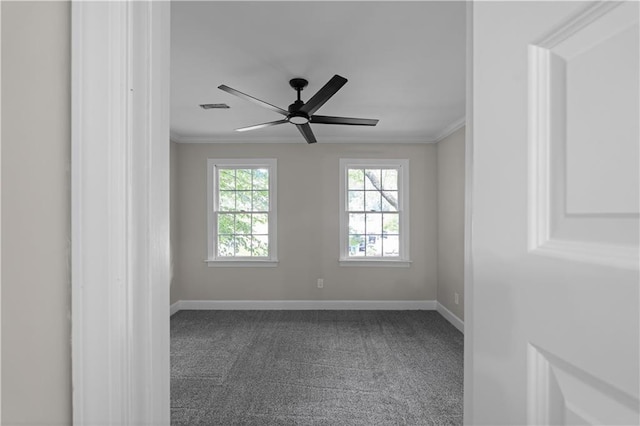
(315, 368)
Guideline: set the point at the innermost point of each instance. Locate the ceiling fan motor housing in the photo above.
(298, 118)
(295, 115)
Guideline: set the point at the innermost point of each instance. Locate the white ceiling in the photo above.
(405, 62)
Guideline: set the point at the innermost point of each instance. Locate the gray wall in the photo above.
(308, 217)
(173, 201)
(36, 351)
(451, 221)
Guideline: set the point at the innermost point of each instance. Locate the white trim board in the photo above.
(446, 131)
(354, 305)
(286, 140)
(451, 317)
(174, 308)
(120, 212)
(469, 303)
(450, 129)
(0, 225)
(391, 305)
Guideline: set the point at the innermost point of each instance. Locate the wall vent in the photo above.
(214, 106)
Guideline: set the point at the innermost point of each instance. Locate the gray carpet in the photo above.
(315, 368)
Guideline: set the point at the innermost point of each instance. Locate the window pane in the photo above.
(227, 178)
(227, 201)
(390, 179)
(356, 223)
(260, 178)
(260, 201)
(373, 201)
(391, 245)
(390, 201)
(357, 245)
(260, 224)
(390, 224)
(356, 178)
(243, 210)
(374, 245)
(356, 201)
(373, 179)
(243, 201)
(374, 223)
(372, 211)
(226, 245)
(243, 245)
(243, 179)
(225, 223)
(260, 245)
(243, 223)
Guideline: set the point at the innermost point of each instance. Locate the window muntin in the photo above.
(374, 218)
(373, 212)
(242, 214)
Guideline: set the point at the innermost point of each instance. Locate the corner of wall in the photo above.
(173, 220)
(450, 218)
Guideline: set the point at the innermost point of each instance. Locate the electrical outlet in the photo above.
(456, 298)
(320, 282)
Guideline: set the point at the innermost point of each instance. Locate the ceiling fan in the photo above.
(302, 113)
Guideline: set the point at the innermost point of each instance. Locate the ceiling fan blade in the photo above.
(305, 129)
(324, 119)
(252, 99)
(261, 126)
(323, 95)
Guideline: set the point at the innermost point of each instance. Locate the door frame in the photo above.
(0, 221)
(468, 222)
(120, 212)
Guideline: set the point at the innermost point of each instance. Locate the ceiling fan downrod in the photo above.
(295, 115)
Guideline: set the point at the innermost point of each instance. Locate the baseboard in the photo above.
(174, 308)
(451, 317)
(391, 305)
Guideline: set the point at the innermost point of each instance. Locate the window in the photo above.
(242, 212)
(374, 221)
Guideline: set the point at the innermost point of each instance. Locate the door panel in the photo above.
(602, 129)
(560, 393)
(584, 133)
(555, 213)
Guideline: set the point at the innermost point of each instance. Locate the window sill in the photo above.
(376, 263)
(241, 263)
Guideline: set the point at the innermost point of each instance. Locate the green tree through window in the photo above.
(373, 213)
(243, 212)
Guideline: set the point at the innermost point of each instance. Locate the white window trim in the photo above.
(212, 259)
(404, 260)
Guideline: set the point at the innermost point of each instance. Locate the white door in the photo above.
(554, 329)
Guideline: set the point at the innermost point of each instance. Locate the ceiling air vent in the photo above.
(214, 106)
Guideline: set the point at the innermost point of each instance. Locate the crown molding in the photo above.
(450, 129)
(208, 139)
(174, 137)
(568, 28)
